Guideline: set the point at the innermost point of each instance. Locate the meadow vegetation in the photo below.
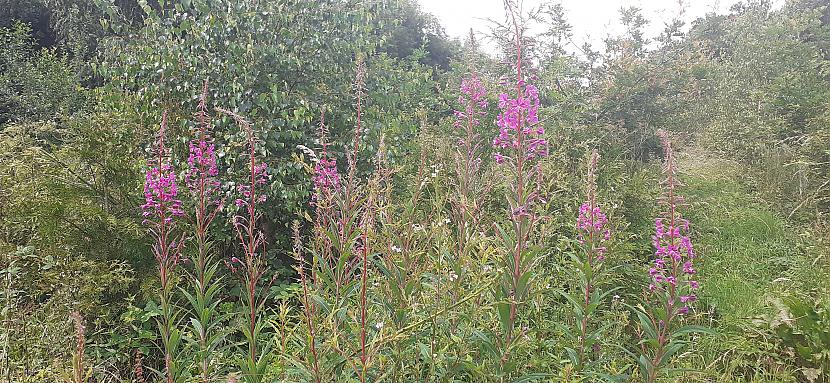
(336, 191)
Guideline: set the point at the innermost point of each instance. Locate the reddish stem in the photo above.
(664, 331)
(518, 222)
(363, 357)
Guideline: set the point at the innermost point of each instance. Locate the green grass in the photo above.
(748, 256)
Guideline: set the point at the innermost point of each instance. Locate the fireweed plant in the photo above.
(337, 322)
(311, 361)
(673, 284)
(471, 189)
(592, 236)
(161, 209)
(454, 252)
(251, 268)
(331, 270)
(519, 145)
(373, 287)
(397, 291)
(203, 184)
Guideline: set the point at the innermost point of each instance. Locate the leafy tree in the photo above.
(35, 84)
(277, 63)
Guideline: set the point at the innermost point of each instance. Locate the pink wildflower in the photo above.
(160, 188)
(518, 124)
(673, 252)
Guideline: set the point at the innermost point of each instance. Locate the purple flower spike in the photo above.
(517, 124)
(160, 188)
(673, 251)
(591, 222)
(325, 175)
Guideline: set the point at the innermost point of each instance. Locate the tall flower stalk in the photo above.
(326, 179)
(672, 288)
(326, 193)
(519, 144)
(366, 223)
(365, 220)
(338, 202)
(339, 269)
(592, 235)
(161, 209)
(325, 199)
(468, 198)
(252, 267)
(309, 311)
(204, 186)
(471, 190)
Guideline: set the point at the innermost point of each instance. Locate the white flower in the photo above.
(310, 153)
(447, 221)
(453, 276)
(379, 326)
(417, 227)
(396, 249)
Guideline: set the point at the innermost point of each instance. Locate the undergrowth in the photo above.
(751, 258)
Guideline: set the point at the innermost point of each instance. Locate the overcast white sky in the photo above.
(592, 20)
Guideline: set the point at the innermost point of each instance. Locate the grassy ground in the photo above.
(750, 257)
